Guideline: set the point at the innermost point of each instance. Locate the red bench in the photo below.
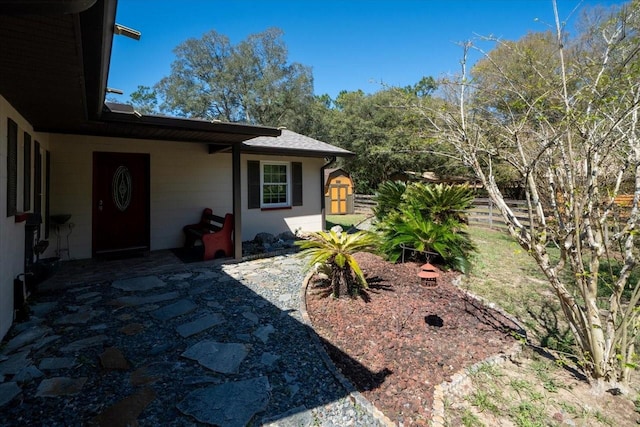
(215, 233)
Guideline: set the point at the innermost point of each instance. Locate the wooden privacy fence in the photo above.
(484, 213)
(364, 204)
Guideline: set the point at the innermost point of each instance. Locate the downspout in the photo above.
(322, 184)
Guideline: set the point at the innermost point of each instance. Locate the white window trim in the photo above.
(287, 204)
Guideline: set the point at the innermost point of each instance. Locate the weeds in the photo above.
(469, 419)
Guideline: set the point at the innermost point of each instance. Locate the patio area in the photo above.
(154, 341)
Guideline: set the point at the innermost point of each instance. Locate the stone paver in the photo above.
(79, 317)
(54, 363)
(125, 412)
(84, 343)
(138, 284)
(60, 386)
(26, 337)
(219, 357)
(8, 391)
(178, 308)
(225, 341)
(200, 324)
(27, 374)
(113, 359)
(231, 404)
(15, 363)
(151, 299)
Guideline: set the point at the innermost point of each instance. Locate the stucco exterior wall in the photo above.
(184, 179)
(12, 234)
(298, 218)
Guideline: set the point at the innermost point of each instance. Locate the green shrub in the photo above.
(429, 218)
(388, 198)
(336, 249)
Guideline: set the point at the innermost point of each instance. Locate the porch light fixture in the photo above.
(114, 90)
(121, 30)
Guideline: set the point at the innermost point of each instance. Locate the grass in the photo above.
(344, 221)
(533, 390)
(505, 274)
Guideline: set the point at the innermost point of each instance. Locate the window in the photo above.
(12, 168)
(274, 184)
(27, 172)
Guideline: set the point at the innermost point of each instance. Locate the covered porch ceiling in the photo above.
(54, 69)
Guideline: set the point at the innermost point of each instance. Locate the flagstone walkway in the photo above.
(156, 342)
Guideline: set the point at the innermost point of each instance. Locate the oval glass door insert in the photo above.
(121, 188)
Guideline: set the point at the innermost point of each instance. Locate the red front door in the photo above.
(120, 202)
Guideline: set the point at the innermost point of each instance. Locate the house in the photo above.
(338, 192)
(93, 178)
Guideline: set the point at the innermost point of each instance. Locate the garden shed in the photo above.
(338, 192)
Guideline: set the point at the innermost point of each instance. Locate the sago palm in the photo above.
(411, 229)
(440, 202)
(336, 249)
(388, 198)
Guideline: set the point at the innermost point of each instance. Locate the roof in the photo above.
(292, 143)
(332, 173)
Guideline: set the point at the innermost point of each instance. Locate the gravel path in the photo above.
(201, 344)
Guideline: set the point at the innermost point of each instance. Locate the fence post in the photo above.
(490, 214)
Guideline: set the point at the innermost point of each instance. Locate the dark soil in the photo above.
(400, 338)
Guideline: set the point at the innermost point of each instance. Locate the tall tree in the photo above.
(564, 113)
(383, 134)
(251, 82)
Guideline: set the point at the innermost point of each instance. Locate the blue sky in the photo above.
(349, 44)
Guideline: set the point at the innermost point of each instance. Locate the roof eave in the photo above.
(274, 151)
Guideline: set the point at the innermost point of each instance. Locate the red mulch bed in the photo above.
(400, 339)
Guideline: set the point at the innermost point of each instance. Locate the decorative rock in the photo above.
(60, 386)
(126, 412)
(264, 332)
(219, 357)
(46, 341)
(27, 374)
(80, 317)
(84, 343)
(7, 392)
(196, 290)
(155, 350)
(200, 380)
(180, 276)
(176, 309)
(24, 338)
(143, 376)
(287, 235)
(148, 308)
(15, 363)
(88, 295)
(151, 299)
(299, 416)
(265, 238)
(43, 308)
(112, 358)
(98, 327)
(231, 404)
(200, 324)
(138, 284)
(132, 329)
(53, 363)
(268, 359)
(251, 316)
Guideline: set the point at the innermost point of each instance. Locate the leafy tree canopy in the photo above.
(251, 82)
